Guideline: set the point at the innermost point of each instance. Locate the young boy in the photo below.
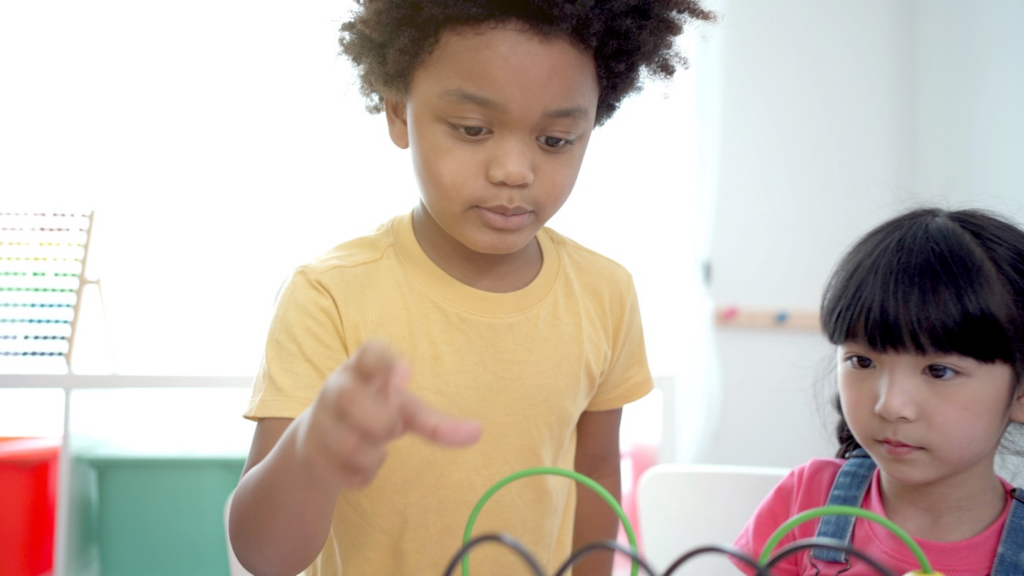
(529, 343)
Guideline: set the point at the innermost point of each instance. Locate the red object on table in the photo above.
(28, 495)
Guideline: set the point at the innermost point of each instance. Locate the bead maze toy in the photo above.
(761, 566)
(42, 264)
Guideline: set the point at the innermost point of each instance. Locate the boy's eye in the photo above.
(939, 372)
(860, 362)
(470, 131)
(554, 142)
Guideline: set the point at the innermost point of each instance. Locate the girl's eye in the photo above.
(860, 362)
(939, 372)
(554, 142)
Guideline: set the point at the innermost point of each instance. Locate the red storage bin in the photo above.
(28, 495)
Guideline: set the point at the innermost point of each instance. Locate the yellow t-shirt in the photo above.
(526, 364)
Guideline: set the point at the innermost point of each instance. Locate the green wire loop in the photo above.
(572, 475)
(813, 513)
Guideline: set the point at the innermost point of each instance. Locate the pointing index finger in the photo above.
(425, 421)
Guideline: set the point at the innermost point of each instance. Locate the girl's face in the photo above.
(927, 419)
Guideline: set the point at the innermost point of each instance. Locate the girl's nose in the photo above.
(511, 164)
(896, 398)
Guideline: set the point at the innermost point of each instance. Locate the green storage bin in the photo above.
(158, 515)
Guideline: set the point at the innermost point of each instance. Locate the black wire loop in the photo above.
(505, 539)
(714, 548)
(603, 545)
(614, 546)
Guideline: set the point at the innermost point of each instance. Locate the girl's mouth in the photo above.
(897, 448)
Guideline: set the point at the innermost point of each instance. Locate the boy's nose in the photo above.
(896, 398)
(511, 164)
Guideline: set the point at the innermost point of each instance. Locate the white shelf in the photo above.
(77, 381)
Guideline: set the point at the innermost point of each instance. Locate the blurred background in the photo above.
(221, 144)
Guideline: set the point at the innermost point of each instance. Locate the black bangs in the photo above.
(924, 283)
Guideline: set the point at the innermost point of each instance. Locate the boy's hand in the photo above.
(362, 407)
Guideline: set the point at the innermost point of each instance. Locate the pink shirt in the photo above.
(808, 486)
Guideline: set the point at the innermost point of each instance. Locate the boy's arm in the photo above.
(597, 456)
(282, 509)
(275, 507)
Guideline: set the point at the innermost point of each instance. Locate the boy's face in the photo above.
(497, 120)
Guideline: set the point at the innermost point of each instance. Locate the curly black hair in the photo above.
(387, 39)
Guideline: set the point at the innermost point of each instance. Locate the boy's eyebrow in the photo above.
(576, 112)
(460, 96)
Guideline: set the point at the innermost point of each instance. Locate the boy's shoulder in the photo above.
(355, 252)
(584, 260)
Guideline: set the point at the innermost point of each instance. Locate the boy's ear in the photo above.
(1017, 404)
(398, 125)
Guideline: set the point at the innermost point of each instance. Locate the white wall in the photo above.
(832, 117)
(970, 102)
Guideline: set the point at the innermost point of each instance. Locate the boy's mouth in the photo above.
(505, 210)
(505, 217)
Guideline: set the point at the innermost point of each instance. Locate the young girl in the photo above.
(927, 314)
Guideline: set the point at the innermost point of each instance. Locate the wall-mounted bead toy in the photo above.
(43, 258)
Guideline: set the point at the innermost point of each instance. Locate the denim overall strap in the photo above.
(848, 490)
(1010, 555)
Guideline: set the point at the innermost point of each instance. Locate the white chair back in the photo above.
(684, 506)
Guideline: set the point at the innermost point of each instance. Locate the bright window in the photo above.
(221, 144)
